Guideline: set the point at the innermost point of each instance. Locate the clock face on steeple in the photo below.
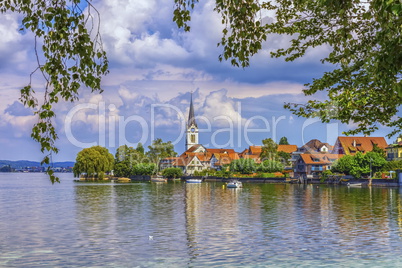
(192, 129)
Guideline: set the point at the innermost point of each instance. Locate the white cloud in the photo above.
(221, 110)
(17, 126)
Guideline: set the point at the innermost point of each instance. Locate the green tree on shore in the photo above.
(93, 162)
(269, 149)
(126, 158)
(159, 150)
(172, 173)
(270, 166)
(360, 164)
(283, 141)
(243, 166)
(131, 162)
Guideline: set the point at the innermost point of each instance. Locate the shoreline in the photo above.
(361, 182)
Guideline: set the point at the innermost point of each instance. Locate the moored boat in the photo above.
(234, 184)
(354, 184)
(158, 179)
(194, 180)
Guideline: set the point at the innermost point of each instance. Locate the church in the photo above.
(196, 157)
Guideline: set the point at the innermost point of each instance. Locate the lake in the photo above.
(196, 225)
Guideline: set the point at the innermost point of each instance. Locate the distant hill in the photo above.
(26, 163)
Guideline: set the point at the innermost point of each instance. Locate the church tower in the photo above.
(192, 128)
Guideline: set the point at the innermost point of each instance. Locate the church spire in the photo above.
(192, 128)
(191, 117)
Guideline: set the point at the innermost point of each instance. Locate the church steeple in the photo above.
(192, 128)
(191, 117)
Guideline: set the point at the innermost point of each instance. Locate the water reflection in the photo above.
(207, 223)
(195, 225)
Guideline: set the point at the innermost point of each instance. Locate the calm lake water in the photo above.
(196, 225)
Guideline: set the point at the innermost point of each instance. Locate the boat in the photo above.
(158, 179)
(234, 184)
(194, 180)
(354, 184)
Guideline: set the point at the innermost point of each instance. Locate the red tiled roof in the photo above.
(193, 148)
(220, 151)
(352, 145)
(256, 150)
(319, 159)
(287, 148)
(316, 145)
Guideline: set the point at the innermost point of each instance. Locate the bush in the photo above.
(270, 166)
(172, 172)
(243, 166)
(143, 169)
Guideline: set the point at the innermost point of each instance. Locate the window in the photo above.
(192, 138)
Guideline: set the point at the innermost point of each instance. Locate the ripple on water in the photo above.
(261, 225)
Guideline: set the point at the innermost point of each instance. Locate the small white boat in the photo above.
(158, 179)
(194, 180)
(354, 184)
(234, 184)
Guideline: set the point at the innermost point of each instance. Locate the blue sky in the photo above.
(153, 68)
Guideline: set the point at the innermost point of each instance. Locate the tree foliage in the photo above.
(360, 164)
(93, 162)
(392, 165)
(243, 166)
(159, 150)
(379, 150)
(283, 141)
(364, 38)
(343, 165)
(130, 162)
(269, 149)
(71, 57)
(172, 172)
(125, 158)
(270, 166)
(284, 157)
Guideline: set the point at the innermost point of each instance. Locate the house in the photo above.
(168, 162)
(253, 152)
(352, 145)
(219, 160)
(314, 164)
(313, 146)
(198, 158)
(316, 146)
(394, 151)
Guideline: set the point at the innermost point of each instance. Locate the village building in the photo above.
(352, 145)
(394, 151)
(253, 152)
(313, 164)
(315, 146)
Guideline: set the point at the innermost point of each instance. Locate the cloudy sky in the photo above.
(153, 68)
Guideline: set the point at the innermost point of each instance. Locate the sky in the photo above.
(154, 69)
